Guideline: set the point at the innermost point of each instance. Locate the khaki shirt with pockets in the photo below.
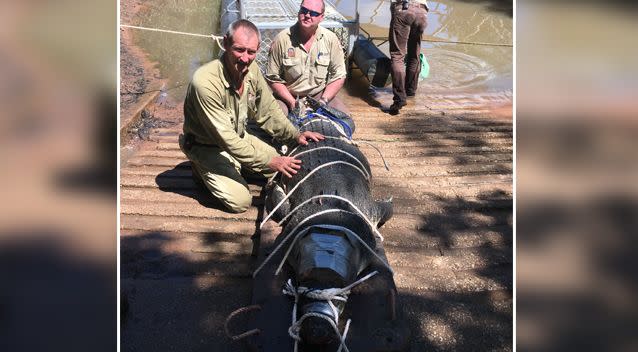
(305, 73)
(216, 115)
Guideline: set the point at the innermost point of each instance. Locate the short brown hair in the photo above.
(246, 24)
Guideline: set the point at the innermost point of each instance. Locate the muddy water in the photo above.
(454, 66)
(477, 71)
(482, 71)
(178, 56)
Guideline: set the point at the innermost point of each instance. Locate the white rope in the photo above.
(330, 294)
(217, 38)
(345, 334)
(297, 147)
(339, 151)
(368, 221)
(294, 330)
(380, 154)
(340, 130)
(344, 139)
(302, 181)
(322, 117)
(330, 227)
(288, 236)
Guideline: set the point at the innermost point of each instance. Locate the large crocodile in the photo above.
(329, 224)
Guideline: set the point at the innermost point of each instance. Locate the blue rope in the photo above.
(299, 120)
(343, 124)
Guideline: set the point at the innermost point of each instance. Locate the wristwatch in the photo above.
(324, 100)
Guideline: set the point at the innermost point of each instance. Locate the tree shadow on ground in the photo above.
(179, 289)
(472, 231)
(576, 253)
(458, 322)
(477, 314)
(598, 230)
(494, 210)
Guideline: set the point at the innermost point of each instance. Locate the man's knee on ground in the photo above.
(231, 193)
(237, 203)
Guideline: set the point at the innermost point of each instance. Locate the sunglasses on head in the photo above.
(304, 11)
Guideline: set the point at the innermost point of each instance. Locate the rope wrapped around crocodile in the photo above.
(329, 224)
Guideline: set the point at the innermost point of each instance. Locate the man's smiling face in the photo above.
(242, 50)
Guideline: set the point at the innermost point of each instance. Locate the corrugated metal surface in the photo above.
(186, 265)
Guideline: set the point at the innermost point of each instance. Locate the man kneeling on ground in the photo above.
(222, 95)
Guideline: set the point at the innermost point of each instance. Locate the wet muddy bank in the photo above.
(137, 72)
(155, 67)
(143, 107)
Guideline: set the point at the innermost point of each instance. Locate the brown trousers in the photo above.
(406, 27)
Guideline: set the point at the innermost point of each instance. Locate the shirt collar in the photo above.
(320, 32)
(223, 73)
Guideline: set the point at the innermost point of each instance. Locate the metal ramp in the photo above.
(271, 17)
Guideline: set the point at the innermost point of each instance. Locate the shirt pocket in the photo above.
(292, 69)
(321, 69)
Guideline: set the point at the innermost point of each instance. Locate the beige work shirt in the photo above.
(217, 115)
(305, 72)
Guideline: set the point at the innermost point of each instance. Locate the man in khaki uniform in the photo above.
(222, 95)
(307, 60)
